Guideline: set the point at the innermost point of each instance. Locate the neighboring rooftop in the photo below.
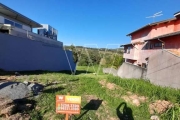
(165, 35)
(151, 24)
(19, 17)
(126, 44)
(177, 14)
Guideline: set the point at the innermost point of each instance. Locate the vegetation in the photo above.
(87, 85)
(84, 56)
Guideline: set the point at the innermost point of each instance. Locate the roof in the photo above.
(151, 24)
(126, 44)
(165, 35)
(17, 16)
(177, 13)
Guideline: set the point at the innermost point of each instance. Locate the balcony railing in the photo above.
(30, 35)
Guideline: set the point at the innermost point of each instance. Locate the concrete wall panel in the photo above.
(131, 71)
(164, 69)
(19, 54)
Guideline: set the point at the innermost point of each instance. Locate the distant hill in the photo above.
(115, 50)
(93, 56)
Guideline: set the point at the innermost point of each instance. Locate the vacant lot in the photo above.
(113, 98)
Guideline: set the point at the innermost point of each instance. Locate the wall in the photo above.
(163, 28)
(127, 70)
(139, 53)
(19, 54)
(141, 35)
(143, 54)
(172, 42)
(156, 30)
(163, 69)
(32, 36)
(25, 27)
(177, 25)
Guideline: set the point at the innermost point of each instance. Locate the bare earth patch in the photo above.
(7, 78)
(102, 82)
(90, 97)
(130, 97)
(159, 106)
(110, 86)
(9, 110)
(134, 99)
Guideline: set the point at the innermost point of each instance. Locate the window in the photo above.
(18, 25)
(147, 46)
(151, 46)
(6, 21)
(158, 45)
(128, 50)
(144, 65)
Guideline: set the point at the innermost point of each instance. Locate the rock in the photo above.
(36, 88)
(154, 117)
(14, 90)
(26, 83)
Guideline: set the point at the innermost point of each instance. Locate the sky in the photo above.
(94, 23)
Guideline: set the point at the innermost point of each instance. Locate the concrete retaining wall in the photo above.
(19, 54)
(131, 71)
(110, 71)
(164, 69)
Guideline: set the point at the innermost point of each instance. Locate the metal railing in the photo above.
(30, 35)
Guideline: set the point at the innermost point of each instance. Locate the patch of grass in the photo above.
(84, 84)
(145, 88)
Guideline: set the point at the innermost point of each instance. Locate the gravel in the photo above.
(18, 90)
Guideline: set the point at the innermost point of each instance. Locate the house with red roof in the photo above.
(151, 38)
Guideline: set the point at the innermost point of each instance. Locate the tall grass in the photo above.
(153, 92)
(145, 88)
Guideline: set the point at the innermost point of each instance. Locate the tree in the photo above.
(75, 52)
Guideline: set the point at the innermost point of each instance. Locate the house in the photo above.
(151, 38)
(22, 49)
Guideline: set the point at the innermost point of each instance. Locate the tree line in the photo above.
(84, 56)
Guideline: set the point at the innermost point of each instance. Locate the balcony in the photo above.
(129, 54)
(30, 35)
